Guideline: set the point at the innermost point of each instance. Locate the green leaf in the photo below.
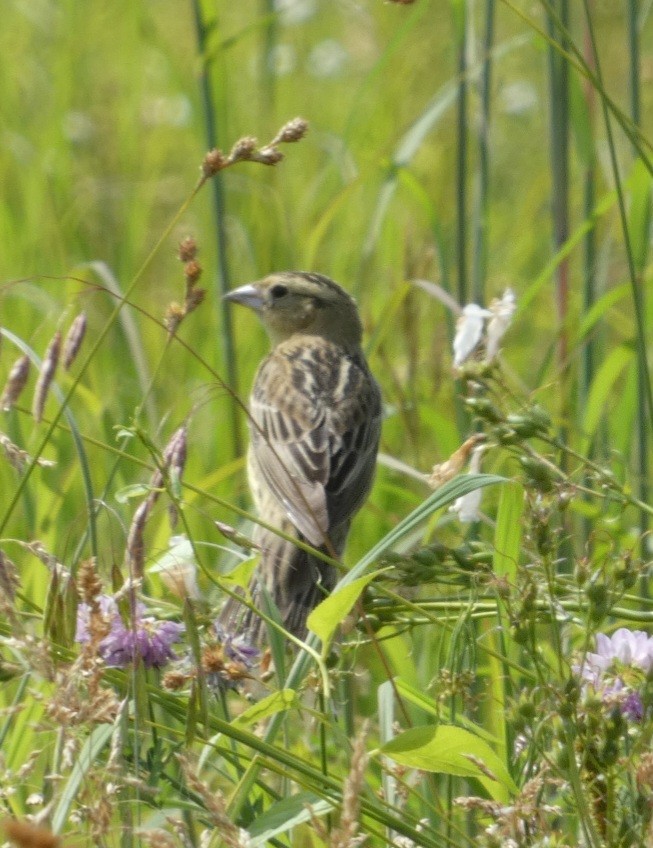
(286, 814)
(507, 535)
(639, 223)
(447, 749)
(86, 760)
(134, 490)
(424, 702)
(241, 575)
(327, 616)
(284, 699)
(601, 390)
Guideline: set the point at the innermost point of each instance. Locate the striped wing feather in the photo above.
(314, 440)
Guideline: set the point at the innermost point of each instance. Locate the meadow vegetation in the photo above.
(483, 673)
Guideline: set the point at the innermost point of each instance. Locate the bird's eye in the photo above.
(278, 291)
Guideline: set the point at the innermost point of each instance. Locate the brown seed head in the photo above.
(213, 660)
(175, 452)
(89, 585)
(46, 375)
(135, 538)
(8, 577)
(243, 149)
(267, 155)
(187, 249)
(193, 299)
(174, 316)
(74, 339)
(15, 383)
(175, 680)
(214, 161)
(294, 130)
(192, 272)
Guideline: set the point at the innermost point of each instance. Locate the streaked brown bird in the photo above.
(314, 434)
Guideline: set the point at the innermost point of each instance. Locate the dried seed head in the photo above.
(447, 470)
(192, 271)
(15, 383)
(74, 339)
(294, 130)
(187, 249)
(89, 585)
(175, 452)
(214, 161)
(46, 375)
(243, 149)
(193, 299)
(8, 577)
(267, 155)
(174, 316)
(213, 659)
(175, 680)
(135, 540)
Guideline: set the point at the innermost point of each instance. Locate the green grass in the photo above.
(539, 179)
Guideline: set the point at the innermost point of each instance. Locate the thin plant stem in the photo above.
(461, 162)
(479, 270)
(559, 152)
(219, 207)
(645, 402)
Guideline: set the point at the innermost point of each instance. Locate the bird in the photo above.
(315, 422)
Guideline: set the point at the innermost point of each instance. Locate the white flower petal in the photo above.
(469, 329)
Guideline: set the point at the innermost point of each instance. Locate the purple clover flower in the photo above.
(620, 661)
(145, 638)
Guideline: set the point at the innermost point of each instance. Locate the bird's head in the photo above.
(292, 302)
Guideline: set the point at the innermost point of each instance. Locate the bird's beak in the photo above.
(248, 295)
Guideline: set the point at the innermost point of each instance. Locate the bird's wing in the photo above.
(314, 438)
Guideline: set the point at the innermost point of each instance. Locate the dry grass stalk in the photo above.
(346, 834)
(214, 805)
(46, 376)
(15, 383)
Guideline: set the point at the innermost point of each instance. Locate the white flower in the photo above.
(178, 568)
(501, 311)
(469, 329)
(626, 647)
(468, 506)
(475, 319)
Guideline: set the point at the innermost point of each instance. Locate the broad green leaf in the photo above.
(284, 699)
(601, 389)
(599, 309)
(241, 575)
(286, 814)
(86, 761)
(328, 615)
(507, 535)
(639, 223)
(447, 749)
(424, 702)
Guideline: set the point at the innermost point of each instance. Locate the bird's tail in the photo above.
(294, 580)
